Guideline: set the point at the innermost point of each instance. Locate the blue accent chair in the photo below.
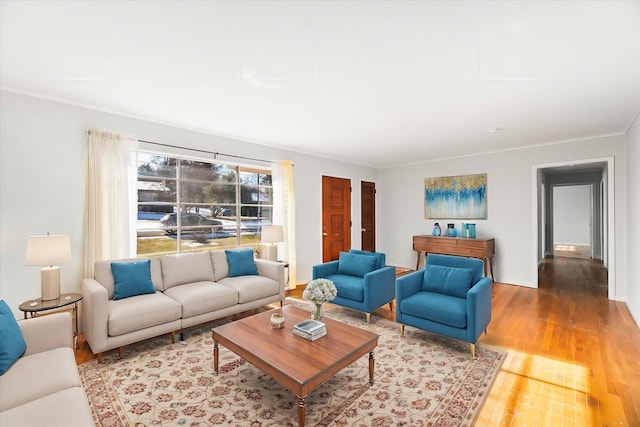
(449, 296)
(362, 280)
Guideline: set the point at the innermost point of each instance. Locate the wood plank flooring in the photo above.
(573, 355)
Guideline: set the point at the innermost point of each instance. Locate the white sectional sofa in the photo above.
(190, 289)
(42, 388)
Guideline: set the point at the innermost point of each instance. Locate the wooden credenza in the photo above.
(484, 249)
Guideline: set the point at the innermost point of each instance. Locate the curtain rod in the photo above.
(215, 153)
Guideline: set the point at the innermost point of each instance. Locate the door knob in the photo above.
(363, 229)
(324, 234)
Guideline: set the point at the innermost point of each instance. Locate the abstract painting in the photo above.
(456, 197)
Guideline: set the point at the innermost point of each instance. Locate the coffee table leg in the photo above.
(372, 364)
(301, 411)
(215, 357)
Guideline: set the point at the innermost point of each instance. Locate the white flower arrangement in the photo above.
(320, 291)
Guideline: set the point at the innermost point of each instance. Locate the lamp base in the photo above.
(50, 283)
(269, 252)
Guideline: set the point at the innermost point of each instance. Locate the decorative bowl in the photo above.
(277, 321)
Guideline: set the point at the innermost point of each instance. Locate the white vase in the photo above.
(316, 311)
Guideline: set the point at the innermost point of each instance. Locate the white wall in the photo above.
(572, 215)
(42, 178)
(510, 204)
(42, 184)
(632, 156)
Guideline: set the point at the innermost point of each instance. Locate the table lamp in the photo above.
(49, 250)
(271, 234)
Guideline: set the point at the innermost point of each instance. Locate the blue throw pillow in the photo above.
(131, 279)
(356, 264)
(13, 345)
(447, 280)
(241, 262)
(380, 257)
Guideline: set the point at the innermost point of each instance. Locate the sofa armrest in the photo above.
(379, 287)
(478, 308)
(323, 270)
(95, 314)
(271, 269)
(408, 285)
(47, 332)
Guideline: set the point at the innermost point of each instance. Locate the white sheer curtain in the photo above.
(110, 199)
(284, 206)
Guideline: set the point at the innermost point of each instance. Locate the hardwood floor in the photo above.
(572, 251)
(573, 355)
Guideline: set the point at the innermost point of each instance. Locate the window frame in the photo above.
(179, 206)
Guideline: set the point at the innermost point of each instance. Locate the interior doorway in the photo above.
(336, 217)
(573, 213)
(598, 175)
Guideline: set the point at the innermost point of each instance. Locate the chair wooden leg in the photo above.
(100, 357)
(120, 350)
(173, 337)
(401, 330)
(473, 351)
(368, 315)
(391, 305)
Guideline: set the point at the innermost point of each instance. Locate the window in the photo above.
(187, 205)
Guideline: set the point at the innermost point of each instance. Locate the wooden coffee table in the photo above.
(296, 363)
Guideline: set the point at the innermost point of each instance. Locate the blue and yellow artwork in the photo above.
(456, 197)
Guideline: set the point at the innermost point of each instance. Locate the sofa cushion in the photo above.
(241, 262)
(350, 287)
(13, 344)
(131, 279)
(356, 264)
(140, 312)
(447, 280)
(104, 276)
(202, 297)
(381, 260)
(186, 268)
(252, 288)
(64, 408)
(220, 264)
(437, 307)
(46, 372)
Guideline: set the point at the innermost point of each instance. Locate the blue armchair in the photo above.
(362, 280)
(449, 296)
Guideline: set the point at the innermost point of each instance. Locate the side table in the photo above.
(34, 307)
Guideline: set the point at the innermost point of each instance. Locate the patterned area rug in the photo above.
(421, 379)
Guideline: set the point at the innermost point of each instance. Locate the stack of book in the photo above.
(310, 329)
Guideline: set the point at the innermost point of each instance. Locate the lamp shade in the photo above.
(271, 234)
(48, 250)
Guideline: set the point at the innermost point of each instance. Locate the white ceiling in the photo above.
(376, 83)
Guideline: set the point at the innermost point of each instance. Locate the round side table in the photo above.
(34, 307)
